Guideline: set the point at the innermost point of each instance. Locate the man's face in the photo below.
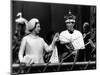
(37, 29)
(70, 24)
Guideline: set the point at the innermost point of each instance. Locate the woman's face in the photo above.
(38, 28)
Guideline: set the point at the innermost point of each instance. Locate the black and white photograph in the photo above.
(52, 37)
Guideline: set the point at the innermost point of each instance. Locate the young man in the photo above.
(33, 45)
(71, 37)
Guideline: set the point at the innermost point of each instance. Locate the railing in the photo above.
(52, 67)
(56, 64)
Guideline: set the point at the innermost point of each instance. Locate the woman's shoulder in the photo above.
(25, 37)
(40, 38)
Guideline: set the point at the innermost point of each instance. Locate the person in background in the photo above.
(88, 39)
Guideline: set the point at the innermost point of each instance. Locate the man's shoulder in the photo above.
(77, 31)
(64, 32)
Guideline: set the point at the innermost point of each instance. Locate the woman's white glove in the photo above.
(56, 37)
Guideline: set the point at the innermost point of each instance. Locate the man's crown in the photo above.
(70, 16)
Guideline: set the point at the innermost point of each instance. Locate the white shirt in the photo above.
(75, 38)
(33, 47)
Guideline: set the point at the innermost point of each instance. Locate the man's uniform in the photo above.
(75, 38)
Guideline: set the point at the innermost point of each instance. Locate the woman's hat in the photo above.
(32, 23)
